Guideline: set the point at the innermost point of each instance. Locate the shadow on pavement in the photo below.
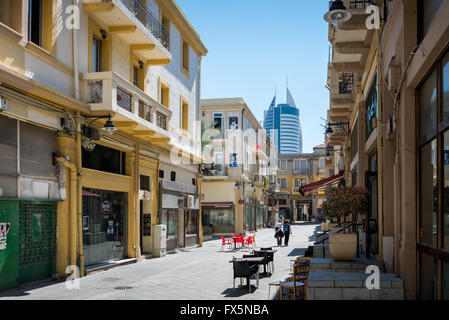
(297, 252)
(238, 292)
(21, 291)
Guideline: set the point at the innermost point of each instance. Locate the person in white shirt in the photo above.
(278, 233)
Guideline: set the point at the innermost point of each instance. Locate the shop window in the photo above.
(145, 183)
(218, 220)
(428, 199)
(191, 222)
(371, 108)
(445, 279)
(446, 191)
(428, 108)
(104, 225)
(105, 159)
(169, 218)
(445, 87)
(428, 277)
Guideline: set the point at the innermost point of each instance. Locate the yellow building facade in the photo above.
(296, 171)
(236, 153)
(100, 192)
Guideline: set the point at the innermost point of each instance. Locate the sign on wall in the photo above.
(4, 229)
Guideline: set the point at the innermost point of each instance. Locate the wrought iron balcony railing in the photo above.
(148, 19)
(360, 4)
(346, 83)
(107, 90)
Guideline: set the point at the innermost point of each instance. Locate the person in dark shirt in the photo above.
(287, 232)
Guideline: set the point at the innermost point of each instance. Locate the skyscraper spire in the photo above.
(290, 100)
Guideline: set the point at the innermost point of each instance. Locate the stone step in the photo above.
(352, 286)
(330, 265)
(318, 250)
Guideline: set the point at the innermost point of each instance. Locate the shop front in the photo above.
(218, 218)
(180, 213)
(104, 225)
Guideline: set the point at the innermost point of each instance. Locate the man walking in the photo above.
(287, 232)
(278, 232)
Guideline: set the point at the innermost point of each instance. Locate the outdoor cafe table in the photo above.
(265, 266)
(256, 260)
(234, 239)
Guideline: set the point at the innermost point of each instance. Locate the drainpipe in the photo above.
(200, 218)
(73, 181)
(380, 152)
(138, 208)
(80, 192)
(75, 59)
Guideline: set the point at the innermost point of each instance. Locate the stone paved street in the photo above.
(194, 274)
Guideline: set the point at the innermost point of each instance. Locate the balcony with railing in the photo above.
(350, 41)
(135, 24)
(133, 111)
(342, 92)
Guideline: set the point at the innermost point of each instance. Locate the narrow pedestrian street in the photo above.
(192, 274)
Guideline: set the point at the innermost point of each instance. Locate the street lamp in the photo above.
(338, 14)
(109, 127)
(341, 125)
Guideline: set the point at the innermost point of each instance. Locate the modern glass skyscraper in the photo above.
(282, 122)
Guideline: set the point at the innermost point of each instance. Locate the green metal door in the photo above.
(37, 245)
(9, 244)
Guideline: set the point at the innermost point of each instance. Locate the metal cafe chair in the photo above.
(270, 257)
(265, 261)
(243, 269)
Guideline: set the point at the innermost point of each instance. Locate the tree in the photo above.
(342, 202)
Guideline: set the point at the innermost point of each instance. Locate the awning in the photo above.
(321, 184)
(217, 205)
(90, 194)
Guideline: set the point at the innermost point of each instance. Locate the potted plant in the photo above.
(343, 203)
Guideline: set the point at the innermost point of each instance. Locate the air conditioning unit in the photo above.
(67, 124)
(190, 202)
(3, 104)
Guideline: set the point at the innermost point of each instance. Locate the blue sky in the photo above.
(254, 45)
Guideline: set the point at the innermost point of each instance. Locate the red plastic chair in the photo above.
(248, 241)
(225, 242)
